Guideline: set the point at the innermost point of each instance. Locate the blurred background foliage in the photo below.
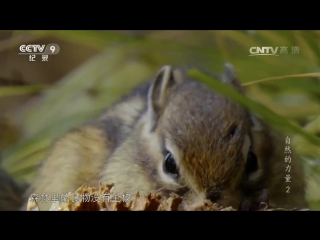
(39, 101)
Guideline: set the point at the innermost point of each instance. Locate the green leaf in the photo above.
(270, 117)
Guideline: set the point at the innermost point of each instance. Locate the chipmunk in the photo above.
(174, 134)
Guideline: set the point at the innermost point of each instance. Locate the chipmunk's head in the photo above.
(202, 145)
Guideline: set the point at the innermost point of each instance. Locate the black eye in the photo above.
(232, 130)
(252, 164)
(169, 165)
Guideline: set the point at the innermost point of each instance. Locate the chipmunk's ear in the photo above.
(160, 90)
(259, 150)
(230, 77)
(256, 124)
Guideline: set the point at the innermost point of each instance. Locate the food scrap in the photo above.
(103, 199)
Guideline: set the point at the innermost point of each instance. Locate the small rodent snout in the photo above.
(214, 194)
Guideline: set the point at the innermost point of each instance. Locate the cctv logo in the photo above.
(258, 51)
(32, 48)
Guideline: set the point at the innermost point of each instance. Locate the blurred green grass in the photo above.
(128, 58)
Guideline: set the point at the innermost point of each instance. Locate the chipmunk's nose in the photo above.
(214, 194)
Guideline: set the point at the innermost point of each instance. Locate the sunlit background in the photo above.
(41, 100)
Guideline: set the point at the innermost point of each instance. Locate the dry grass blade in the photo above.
(283, 77)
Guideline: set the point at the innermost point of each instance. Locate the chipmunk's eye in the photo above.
(252, 164)
(232, 130)
(169, 165)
